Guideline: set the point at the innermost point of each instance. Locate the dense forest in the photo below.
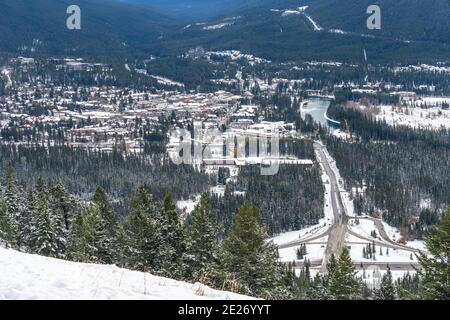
(48, 221)
(291, 200)
(405, 173)
(82, 170)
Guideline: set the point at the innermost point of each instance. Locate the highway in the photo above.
(336, 233)
(394, 266)
(336, 237)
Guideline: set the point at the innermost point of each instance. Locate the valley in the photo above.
(238, 149)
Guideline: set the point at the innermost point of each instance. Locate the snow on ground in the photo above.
(338, 133)
(394, 234)
(328, 208)
(188, 205)
(339, 31)
(290, 12)
(218, 26)
(423, 68)
(218, 190)
(373, 274)
(305, 233)
(417, 244)
(238, 55)
(323, 224)
(166, 81)
(389, 255)
(364, 227)
(315, 25)
(7, 74)
(31, 277)
(434, 118)
(314, 251)
(347, 202)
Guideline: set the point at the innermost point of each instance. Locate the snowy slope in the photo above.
(26, 276)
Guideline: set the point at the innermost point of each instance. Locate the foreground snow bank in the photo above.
(26, 276)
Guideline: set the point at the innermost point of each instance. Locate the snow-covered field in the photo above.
(305, 233)
(25, 276)
(364, 227)
(434, 118)
(188, 205)
(388, 255)
(314, 251)
(238, 55)
(166, 81)
(218, 26)
(423, 68)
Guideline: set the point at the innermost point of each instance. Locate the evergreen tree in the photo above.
(387, 289)
(60, 233)
(172, 239)
(247, 262)
(6, 231)
(28, 220)
(141, 239)
(12, 197)
(61, 201)
(435, 270)
(107, 226)
(77, 244)
(98, 239)
(331, 265)
(319, 288)
(43, 237)
(141, 248)
(202, 238)
(343, 283)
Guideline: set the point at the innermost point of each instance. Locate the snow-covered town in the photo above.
(224, 150)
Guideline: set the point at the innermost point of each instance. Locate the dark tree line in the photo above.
(290, 200)
(81, 170)
(401, 170)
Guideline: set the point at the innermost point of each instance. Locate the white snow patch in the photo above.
(434, 118)
(32, 277)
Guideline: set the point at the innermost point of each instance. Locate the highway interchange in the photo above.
(338, 230)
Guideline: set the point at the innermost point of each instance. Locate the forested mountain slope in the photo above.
(323, 30)
(107, 27)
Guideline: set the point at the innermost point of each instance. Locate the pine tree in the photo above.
(141, 239)
(60, 233)
(12, 197)
(246, 259)
(343, 283)
(43, 237)
(387, 289)
(99, 242)
(203, 238)
(173, 240)
(318, 289)
(61, 201)
(6, 231)
(141, 242)
(331, 265)
(77, 244)
(28, 220)
(107, 226)
(435, 271)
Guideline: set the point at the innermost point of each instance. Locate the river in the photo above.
(317, 108)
